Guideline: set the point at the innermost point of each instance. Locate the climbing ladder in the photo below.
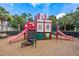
(31, 39)
(31, 35)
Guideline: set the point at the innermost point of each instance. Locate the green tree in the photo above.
(3, 16)
(66, 21)
(53, 19)
(76, 18)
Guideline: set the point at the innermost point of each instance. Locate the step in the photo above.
(27, 43)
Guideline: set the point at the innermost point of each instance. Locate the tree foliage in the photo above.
(53, 19)
(71, 19)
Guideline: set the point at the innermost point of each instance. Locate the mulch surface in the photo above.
(43, 48)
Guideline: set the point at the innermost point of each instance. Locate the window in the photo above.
(47, 27)
(40, 26)
(41, 18)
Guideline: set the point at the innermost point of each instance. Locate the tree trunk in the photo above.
(6, 26)
(18, 27)
(65, 28)
(1, 25)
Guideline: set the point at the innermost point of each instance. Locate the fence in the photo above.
(72, 33)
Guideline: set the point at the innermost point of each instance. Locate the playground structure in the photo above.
(39, 29)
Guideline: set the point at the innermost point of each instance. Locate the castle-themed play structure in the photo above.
(40, 29)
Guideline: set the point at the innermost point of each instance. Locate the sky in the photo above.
(56, 9)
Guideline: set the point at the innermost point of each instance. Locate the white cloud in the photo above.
(35, 4)
(12, 4)
(45, 9)
(46, 6)
(67, 8)
(60, 15)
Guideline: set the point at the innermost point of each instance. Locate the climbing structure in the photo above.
(31, 34)
(43, 27)
(40, 29)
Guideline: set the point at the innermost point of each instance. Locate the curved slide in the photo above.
(16, 38)
(65, 37)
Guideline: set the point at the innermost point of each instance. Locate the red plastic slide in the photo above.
(65, 37)
(16, 38)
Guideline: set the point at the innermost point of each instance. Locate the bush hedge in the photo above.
(11, 32)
